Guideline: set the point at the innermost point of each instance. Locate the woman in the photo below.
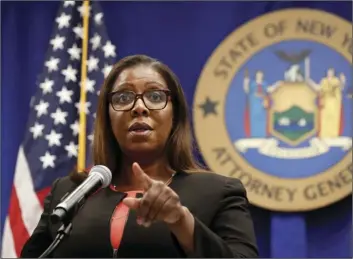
(155, 206)
(331, 105)
(257, 105)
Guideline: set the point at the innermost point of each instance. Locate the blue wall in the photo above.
(183, 35)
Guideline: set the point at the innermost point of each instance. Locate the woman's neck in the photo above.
(157, 170)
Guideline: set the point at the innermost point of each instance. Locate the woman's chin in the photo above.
(135, 147)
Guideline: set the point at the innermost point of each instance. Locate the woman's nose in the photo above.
(139, 108)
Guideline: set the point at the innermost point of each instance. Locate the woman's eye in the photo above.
(155, 96)
(123, 98)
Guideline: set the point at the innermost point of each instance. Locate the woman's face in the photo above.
(140, 130)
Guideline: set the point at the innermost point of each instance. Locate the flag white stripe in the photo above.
(31, 208)
(8, 245)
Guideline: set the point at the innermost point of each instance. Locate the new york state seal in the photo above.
(273, 108)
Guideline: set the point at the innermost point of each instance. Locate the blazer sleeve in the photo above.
(41, 238)
(231, 233)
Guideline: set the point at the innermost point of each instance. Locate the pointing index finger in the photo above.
(144, 179)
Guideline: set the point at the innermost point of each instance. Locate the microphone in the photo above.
(98, 177)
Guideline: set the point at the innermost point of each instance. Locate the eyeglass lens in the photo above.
(153, 99)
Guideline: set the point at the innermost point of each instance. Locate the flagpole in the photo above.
(81, 160)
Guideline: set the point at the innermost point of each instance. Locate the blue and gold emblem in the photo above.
(273, 108)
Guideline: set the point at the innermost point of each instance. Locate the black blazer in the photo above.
(223, 225)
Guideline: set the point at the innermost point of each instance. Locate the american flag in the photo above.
(50, 146)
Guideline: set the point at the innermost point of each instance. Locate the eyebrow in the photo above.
(126, 84)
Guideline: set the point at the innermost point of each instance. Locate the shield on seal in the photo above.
(293, 115)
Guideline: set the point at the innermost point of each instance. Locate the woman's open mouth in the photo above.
(139, 128)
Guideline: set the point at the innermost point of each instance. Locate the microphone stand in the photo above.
(63, 232)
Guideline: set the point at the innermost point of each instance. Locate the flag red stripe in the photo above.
(42, 194)
(18, 228)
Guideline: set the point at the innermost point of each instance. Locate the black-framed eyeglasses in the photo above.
(154, 99)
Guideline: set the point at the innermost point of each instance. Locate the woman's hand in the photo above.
(159, 202)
